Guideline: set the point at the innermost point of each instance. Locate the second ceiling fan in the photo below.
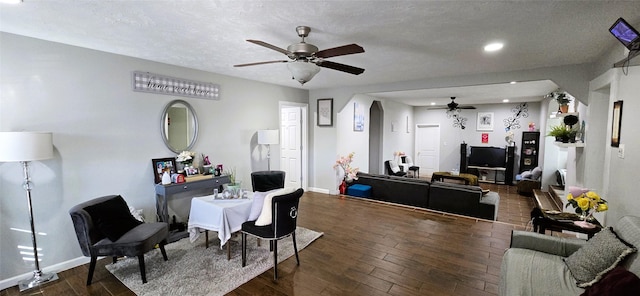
(305, 58)
(453, 106)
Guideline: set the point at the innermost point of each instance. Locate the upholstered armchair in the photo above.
(528, 181)
(393, 169)
(105, 227)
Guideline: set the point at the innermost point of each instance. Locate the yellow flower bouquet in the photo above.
(585, 203)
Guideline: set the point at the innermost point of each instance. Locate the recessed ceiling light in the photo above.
(513, 82)
(493, 46)
(433, 103)
(505, 101)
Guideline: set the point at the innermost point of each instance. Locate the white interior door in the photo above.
(428, 148)
(291, 145)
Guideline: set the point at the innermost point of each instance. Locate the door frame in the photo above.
(304, 133)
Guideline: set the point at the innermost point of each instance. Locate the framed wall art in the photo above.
(325, 112)
(616, 124)
(161, 164)
(485, 121)
(358, 117)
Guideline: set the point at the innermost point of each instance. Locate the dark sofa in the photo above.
(464, 200)
(400, 190)
(440, 196)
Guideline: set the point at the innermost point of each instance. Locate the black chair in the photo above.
(264, 181)
(284, 213)
(390, 172)
(414, 169)
(105, 227)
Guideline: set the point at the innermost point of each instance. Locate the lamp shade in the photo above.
(25, 146)
(268, 137)
(303, 71)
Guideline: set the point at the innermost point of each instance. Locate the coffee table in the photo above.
(468, 179)
(222, 215)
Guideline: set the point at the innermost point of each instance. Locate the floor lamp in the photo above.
(25, 147)
(268, 137)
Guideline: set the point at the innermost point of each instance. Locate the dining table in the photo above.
(213, 213)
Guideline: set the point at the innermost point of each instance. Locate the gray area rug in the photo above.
(194, 270)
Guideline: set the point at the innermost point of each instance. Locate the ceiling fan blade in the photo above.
(341, 67)
(267, 45)
(340, 50)
(466, 107)
(260, 63)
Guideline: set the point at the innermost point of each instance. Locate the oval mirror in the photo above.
(179, 126)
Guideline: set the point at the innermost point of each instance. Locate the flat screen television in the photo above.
(488, 156)
(626, 34)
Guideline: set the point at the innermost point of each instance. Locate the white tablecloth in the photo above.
(222, 215)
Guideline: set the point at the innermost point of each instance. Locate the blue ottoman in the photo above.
(359, 190)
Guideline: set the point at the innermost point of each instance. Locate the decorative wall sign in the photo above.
(485, 138)
(520, 111)
(325, 112)
(616, 124)
(160, 84)
(485, 121)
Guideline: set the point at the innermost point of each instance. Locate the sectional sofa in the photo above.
(445, 197)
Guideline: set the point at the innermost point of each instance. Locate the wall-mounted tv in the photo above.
(626, 34)
(488, 156)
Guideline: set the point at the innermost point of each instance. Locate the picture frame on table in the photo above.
(192, 171)
(616, 124)
(159, 165)
(325, 112)
(485, 121)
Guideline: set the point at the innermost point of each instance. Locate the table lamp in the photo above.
(268, 137)
(25, 147)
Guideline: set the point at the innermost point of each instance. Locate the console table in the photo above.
(495, 173)
(164, 192)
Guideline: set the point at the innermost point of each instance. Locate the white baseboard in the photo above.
(10, 282)
(319, 190)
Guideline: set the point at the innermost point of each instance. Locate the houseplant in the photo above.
(563, 99)
(233, 184)
(560, 132)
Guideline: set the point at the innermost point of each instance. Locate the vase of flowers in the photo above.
(185, 158)
(350, 173)
(586, 202)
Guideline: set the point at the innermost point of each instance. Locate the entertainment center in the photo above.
(484, 161)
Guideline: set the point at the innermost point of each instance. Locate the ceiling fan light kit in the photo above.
(306, 59)
(303, 71)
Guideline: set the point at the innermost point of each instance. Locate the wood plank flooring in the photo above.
(368, 248)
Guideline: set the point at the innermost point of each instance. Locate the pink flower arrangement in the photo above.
(344, 162)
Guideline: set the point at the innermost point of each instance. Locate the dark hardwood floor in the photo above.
(368, 248)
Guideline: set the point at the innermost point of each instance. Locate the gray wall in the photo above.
(105, 136)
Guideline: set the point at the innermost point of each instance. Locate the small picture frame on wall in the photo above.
(485, 121)
(325, 112)
(616, 124)
(159, 165)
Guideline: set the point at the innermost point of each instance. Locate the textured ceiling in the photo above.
(403, 40)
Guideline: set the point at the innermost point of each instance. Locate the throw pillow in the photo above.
(601, 254)
(112, 218)
(265, 217)
(536, 173)
(394, 166)
(526, 175)
(256, 205)
(618, 282)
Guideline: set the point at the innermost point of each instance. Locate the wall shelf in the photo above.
(567, 145)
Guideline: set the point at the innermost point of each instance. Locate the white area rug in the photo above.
(194, 270)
